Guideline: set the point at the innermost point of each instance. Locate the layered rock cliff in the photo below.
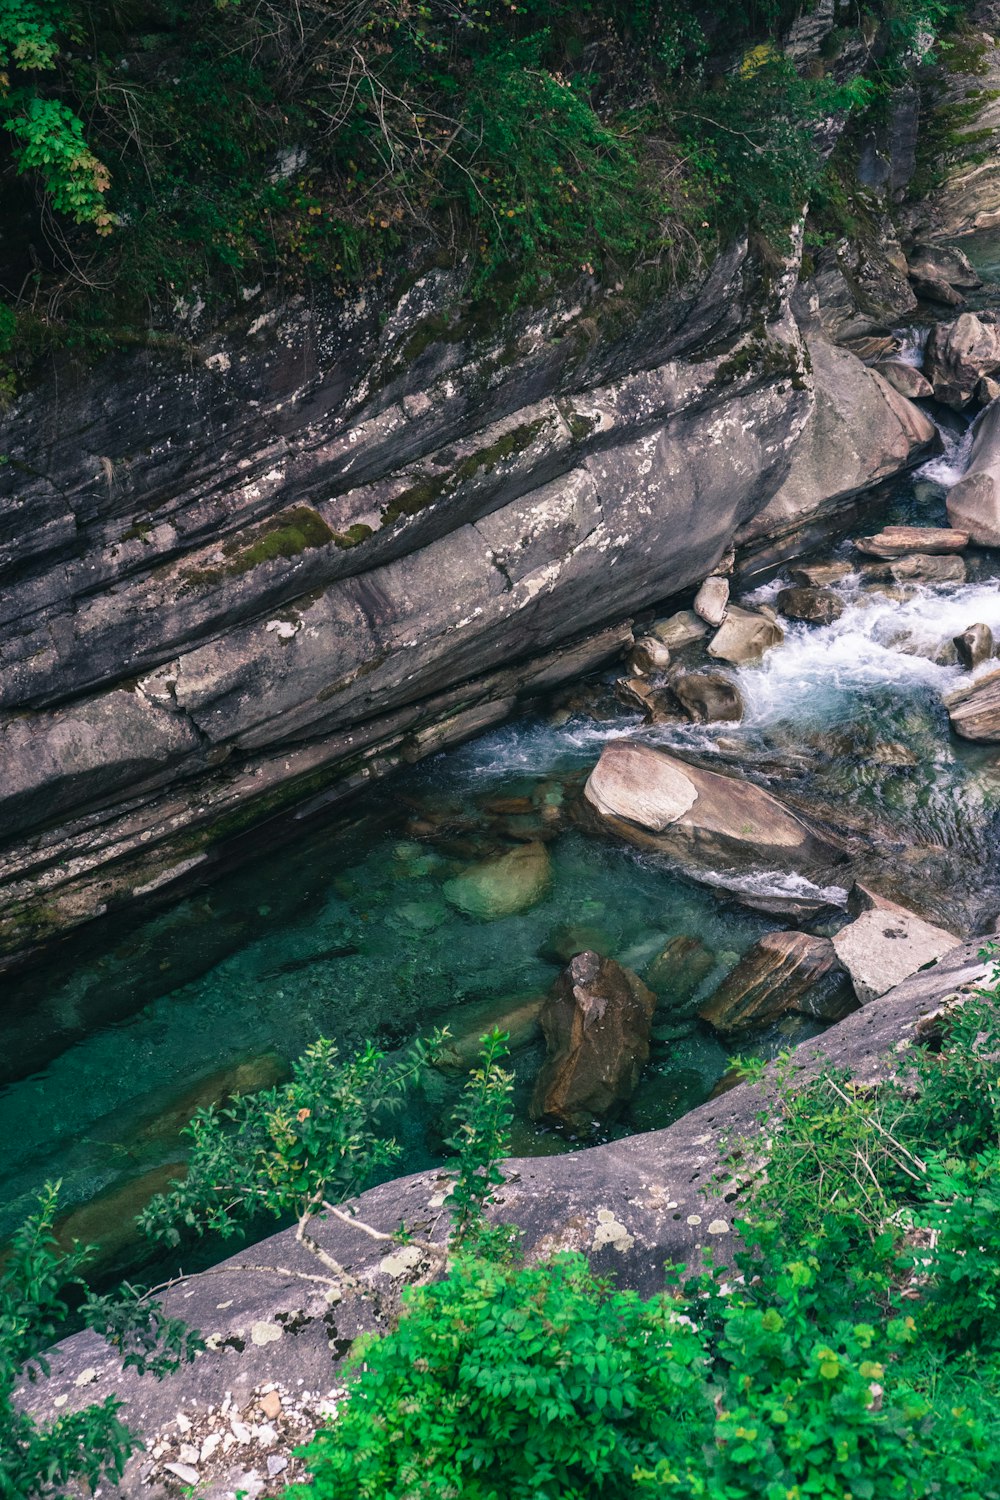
(244, 576)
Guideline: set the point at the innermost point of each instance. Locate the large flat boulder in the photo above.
(596, 1020)
(897, 541)
(974, 502)
(658, 801)
(885, 945)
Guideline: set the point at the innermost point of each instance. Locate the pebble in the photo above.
(275, 1463)
(209, 1446)
(241, 1431)
(188, 1453)
(270, 1405)
(183, 1472)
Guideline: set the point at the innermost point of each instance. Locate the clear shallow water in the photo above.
(349, 933)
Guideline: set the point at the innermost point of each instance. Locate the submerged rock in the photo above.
(596, 1020)
(974, 502)
(678, 969)
(570, 938)
(974, 645)
(502, 885)
(815, 606)
(744, 637)
(898, 541)
(887, 944)
(516, 1014)
(708, 696)
(656, 801)
(711, 600)
(974, 709)
(784, 971)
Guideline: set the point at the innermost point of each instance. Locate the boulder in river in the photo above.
(711, 600)
(657, 703)
(680, 629)
(657, 801)
(899, 541)
(819, 575)
(503, 884)
(649, 656)
(974, 502)
(944, 263)
(678, 969)
(885, 945)
(974, 709)
(975, 645)
(904, 378)
(815, 606)
(959, 354)
(744, 636)
(708, 697)
(784, 971)
(596, 1020)
(933, 289)
(917, 567)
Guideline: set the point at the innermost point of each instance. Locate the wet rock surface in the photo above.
(785, 971)
(744, 636)
(814, 605)
(974, 502)
(708, 697)
(596, 1020)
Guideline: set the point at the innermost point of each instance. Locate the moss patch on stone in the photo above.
(286, 535)
(415, 499)
(353, 536)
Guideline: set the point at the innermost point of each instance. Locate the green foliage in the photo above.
(858, 1354)
(482, 1122)
(41, 1458)
(290, 1149)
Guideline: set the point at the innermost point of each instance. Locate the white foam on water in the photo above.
(912, 345)
(777, 883)
(877, 642)
(949, 466)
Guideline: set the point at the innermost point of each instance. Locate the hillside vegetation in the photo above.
(157, 149)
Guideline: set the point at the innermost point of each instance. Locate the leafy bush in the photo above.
(858, 1354)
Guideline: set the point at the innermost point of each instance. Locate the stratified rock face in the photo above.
(959, 354)
(656, 801)
(596, 1020)
(886, 945)
(337, 541)
(969, 199)
(974, 502)
(785, 971)
(503, 885)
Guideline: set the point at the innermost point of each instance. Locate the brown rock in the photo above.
(905, 379)
(649, 656)
(708, 696)
(974, 709)
(515, 1014)
(657, 801)
(933, 289)
(816, 606)
(596, 1020)
(974, 645)
(270, 1405)
(918, 567)
(744, 636)
(897, 541)
(785, 971)
(974, 502)
(711, 600)
(678, 970)
(944, 263)
(680, 629)
(959, 354)
(819, 575)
